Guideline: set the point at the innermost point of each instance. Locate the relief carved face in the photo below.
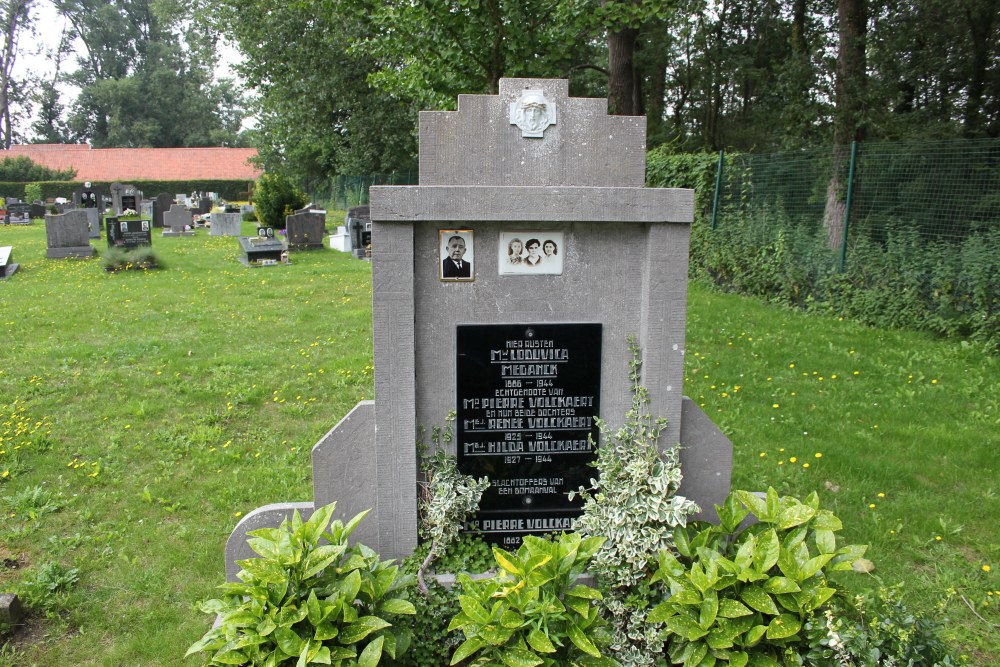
(532, 113)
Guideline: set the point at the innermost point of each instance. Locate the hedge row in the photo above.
(227, 189)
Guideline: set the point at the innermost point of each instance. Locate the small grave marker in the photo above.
(179, 220)
(306, 228)
(7, 265)
(68, 235)
(226, 224)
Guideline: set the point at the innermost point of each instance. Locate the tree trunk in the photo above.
(849, 96)
(15, 17)
(622, 85)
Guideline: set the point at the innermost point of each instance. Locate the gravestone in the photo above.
(7, 265)
(162, 204)
(129, 234)
(90, 196)
(263, 249)
(125, 197)
(526, 357)
(18, 213)
(359, 227)
(306, 228)
(68, 235)
(93, 221)
(37, 210)
(178, 220)
(204, 205)
(226, 224)
(146, 209)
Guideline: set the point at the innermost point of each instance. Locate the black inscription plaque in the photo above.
(129, 234)
(527, 398)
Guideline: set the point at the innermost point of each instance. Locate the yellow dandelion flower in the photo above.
(763, 454)
(793, 459)
(805, 465)
(937, 538)
(871, 506)
(781, 463)
(818, 455)
(237, 514)
(775, 406)
(881, 495)
(933, 381)
(986, 568)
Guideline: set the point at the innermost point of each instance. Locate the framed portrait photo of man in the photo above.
(456, 255)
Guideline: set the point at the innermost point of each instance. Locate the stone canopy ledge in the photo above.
(417, 203)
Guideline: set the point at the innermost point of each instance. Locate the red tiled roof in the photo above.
(142, 164)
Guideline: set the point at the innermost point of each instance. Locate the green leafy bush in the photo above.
(873, 630)
(32, 192)
(742, 597)
(22, 168)
(304, 603)
(273, 195)
(532, 612)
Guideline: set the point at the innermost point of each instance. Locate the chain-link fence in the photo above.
(343, 192)
(896, 234)
(937, 191)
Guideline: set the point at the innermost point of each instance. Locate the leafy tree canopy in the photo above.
(21, 169)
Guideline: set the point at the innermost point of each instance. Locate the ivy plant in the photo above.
(533, 612)
(447, 498)
(742, 597)
(303, 602)
(634, 504)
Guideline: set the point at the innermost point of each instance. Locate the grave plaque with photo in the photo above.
(527, 397)
(128, 234)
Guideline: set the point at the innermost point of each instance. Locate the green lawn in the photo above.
(142, 412)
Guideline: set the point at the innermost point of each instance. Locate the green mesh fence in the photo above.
(343, 192)
(934, 191)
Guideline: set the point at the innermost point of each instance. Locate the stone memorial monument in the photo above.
(18, 213)
(306, 228)
(178, 219)
(506, 287)
(226, 224)
(129, 234)
(125, 198)
(162, 204)
(68, 235)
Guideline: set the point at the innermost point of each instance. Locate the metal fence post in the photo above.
(847, 205)
(718, 186)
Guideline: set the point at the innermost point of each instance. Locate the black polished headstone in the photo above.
(18, 214)
(528, 395)
(128, 234)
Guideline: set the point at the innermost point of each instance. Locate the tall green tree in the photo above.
(316, 112)
(146, 77)
(15, 20)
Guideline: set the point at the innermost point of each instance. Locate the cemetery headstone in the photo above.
(177, 221)
(68, 235)
(162, 204)
(93, 221)
(125, 197)
(264, 249)
(519, 335)
(359, 226)
(146, 209)
(305, 229)
(204, 205)
(18, 213)
(226, 224)
(128, 234)
(37, 210)
(90, 196)
(7, 265)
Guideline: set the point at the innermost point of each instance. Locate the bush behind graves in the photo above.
(272, 196)
(306, 603)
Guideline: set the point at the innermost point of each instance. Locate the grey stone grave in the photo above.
(125, 197)
(18, 213)
(93, 221)
(163, 202)
(176, 221)
(146, 209)
(305, 229)
(7, 265)
(226, 224)
(68, 235)
(549, 333)
(359, 227)
(264, 249)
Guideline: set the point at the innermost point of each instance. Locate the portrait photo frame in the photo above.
(544, 258)
(456, 261)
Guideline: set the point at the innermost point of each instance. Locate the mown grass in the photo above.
(143, 412)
